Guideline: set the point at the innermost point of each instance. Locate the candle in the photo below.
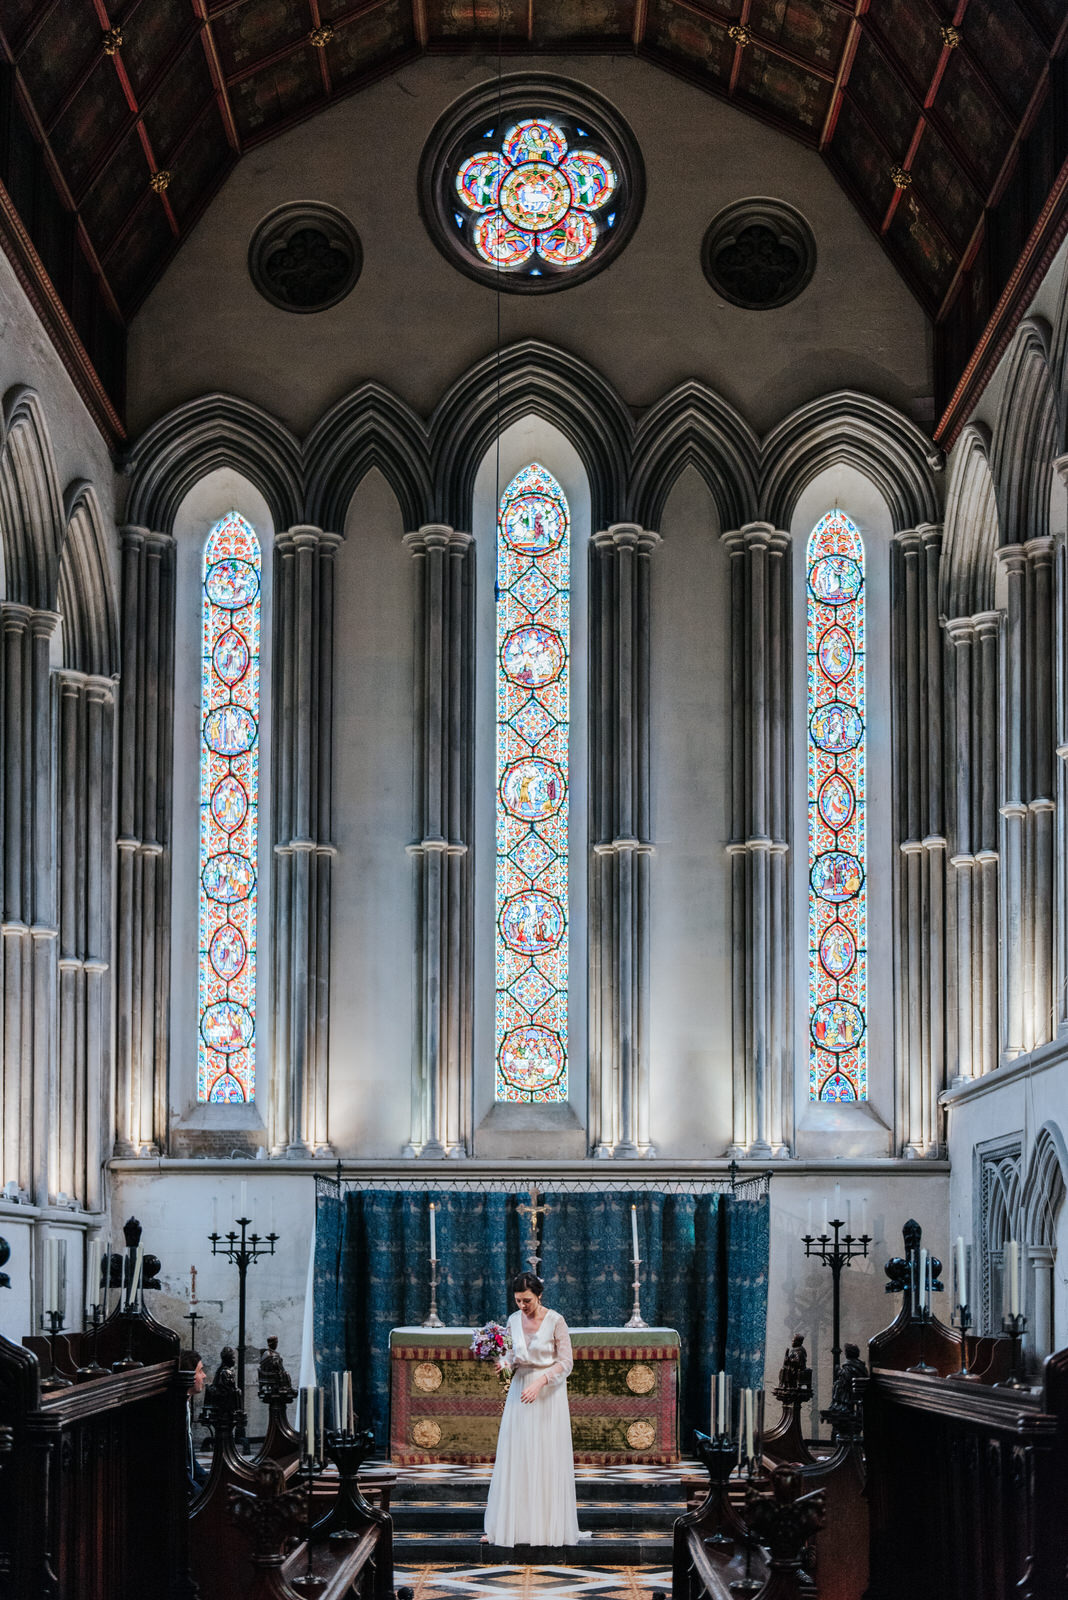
(713, 1415)
(105, 1282)
(825, 1228)
(1014, 1278)
(244, 1199)
(921, 1278)
(335, 1379)
(741, 1426)
(634, 1230)
(749, 1451)
(722, 1420)
(962, 1273)
(307, 1406)
(759, 1423)
(849, 1216)
(808, 1224)
(215, 1213)
(346, 1403)
(271, 1219)
(838, 1202)
(92, 1272)
(433, 1232)
(135, 1282)
(864, 1216)
(51, 1290)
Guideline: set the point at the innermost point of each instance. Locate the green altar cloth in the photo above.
(623, 1395)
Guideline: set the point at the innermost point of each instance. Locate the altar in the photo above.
(623, 1393)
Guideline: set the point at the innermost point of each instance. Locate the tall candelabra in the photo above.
(836, 1252)
(241, 1251)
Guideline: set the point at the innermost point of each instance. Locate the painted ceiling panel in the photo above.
(195, 82)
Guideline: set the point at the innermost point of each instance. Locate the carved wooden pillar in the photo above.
(301, 806)
(441, 1079)
(143, 928)
(760, 656)
(920, 831)
(86, 737)
(28, 928)
(971, 692)
(619, 1100)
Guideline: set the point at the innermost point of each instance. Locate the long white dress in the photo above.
(532, 1491)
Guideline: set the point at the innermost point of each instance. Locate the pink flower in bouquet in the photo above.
(491, 1342)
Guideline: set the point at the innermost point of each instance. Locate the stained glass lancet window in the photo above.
(229, 796)
(533, 714)
(837, 805)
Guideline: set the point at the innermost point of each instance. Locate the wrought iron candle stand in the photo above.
(308, 1584)
(1015, 1327)
(962, 1317)
(92, 1368)
(836, 1253)
(348, 1449)
(241, 1251)
(718, 1456)
(51, 1322)
(432, 1318)
(924, 1316)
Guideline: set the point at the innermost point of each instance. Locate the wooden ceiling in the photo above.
(144, 106)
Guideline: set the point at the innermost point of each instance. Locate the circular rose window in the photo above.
(531, 184)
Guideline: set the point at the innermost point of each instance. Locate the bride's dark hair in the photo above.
(528, 1280)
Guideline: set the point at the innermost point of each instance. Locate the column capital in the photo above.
(436, 536)
(305, 536)
(1060, 467)
(1040, 549)
(43, 624)
(959, 630)
(756, 536)
(133, 537)
(626, 536)
(987, 624)
(1013, 557)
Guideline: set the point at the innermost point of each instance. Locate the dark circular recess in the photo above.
(305, 256)
(759, 254)
(479, 121)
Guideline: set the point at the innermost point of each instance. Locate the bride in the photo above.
(532, 1491)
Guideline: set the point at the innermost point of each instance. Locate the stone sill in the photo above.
(644, 1172)
(1042, 1059)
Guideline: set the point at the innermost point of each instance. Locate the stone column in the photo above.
(920, 832)
(301, 808)
(28, 928)
(1060, 779)
(760, 675)
(143, 927)
(620, 824)
(441, 1079)
(971, 692)
(1027, 803)
(85, 737)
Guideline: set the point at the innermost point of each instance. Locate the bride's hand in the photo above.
(532, 1390)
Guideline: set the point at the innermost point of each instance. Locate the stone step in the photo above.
(414, 1492)
(623, 1549)
(458, 1515)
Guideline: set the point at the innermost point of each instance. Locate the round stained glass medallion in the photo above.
(533, 789)
(837, 876)
(837, 1025)
(531, 1058)
(835, 802)
(835, 580)
(228, 878)
(532, 923)
(232, 583)
(533, 524)
(227, 1026)
(836, 727)
(227, 951)
(531, 183)
(229, 803)
(836, 653)
(230, 658)
(838, 950)
(533, 656)
(230, 730)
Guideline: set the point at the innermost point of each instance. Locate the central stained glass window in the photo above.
(535, 201)
(229, 805)
(533, 714)
(837, 805)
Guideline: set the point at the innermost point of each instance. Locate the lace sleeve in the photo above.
(565, 1360)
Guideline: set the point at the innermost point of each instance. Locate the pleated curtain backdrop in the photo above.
(704, 1272)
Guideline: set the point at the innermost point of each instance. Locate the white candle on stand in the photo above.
(962, 1273)
(92, 1273)
(921, 1278)
(433, 1232)
(838, 1202)
(335, 1381)
(825, 1228)
(244, 1198)
(346, 1403)
(1014, 1278)
(51, 1290)
(749, 1452)
(849, 1216)
(215, 1213)
(808, 1224)
(724, 1420)
(136, 1279)
(712, 1415)
(634, 1229)
(864, 1216)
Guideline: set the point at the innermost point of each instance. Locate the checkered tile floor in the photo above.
(532, 1583)
(449, 1472)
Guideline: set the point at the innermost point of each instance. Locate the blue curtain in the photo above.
(704, 1272)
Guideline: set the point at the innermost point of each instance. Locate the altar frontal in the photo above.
(623, 1396)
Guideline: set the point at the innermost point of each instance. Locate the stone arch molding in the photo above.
(1044, 1187)
(1023, 445)
(972, 528)
(431, 463)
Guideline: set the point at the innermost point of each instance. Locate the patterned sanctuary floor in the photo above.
(532, 1583)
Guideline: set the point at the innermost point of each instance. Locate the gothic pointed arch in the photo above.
(1044, 1186)
(31, 508)
(86, 595)
(1024, 440)
(972, 527)
(693, 427)
(216, 430)
(1058, 363)
(530, 378)
(369, 428)
(858, 430)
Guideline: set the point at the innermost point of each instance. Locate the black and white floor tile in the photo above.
(532, 1583)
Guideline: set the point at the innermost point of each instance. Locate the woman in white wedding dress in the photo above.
(532, 1491)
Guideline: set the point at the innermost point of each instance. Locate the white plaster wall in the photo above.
(690, 965)
(415, 323)
(372, 955)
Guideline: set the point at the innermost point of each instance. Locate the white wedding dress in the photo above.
(532, 1491)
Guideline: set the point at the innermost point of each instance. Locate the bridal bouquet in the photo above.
(492, 1342)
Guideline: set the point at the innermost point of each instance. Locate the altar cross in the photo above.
(534, 1211)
